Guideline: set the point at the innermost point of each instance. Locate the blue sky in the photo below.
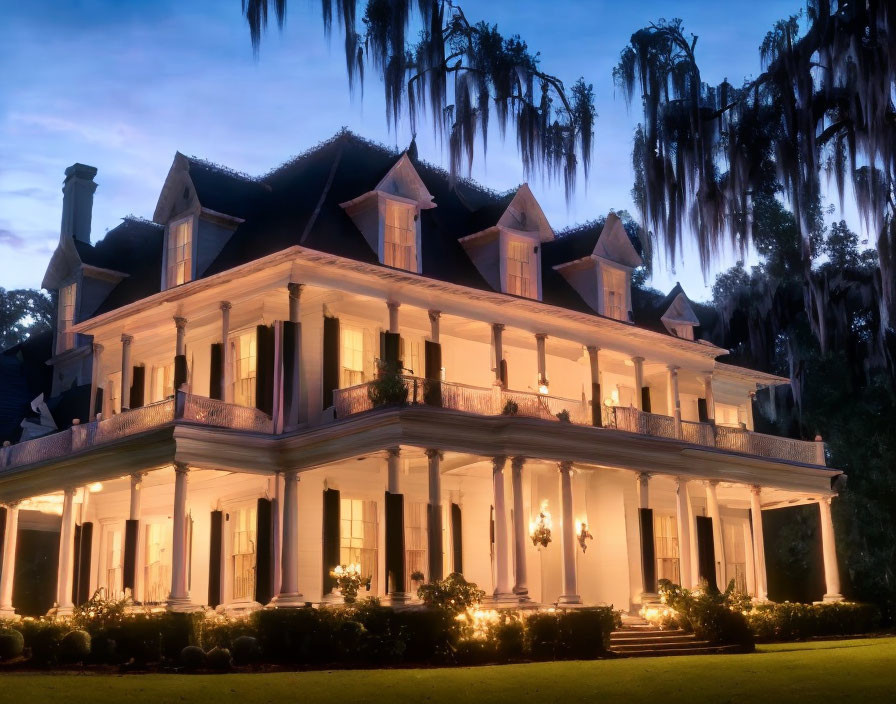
(123, 85)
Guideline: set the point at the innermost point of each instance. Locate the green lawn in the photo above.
(850, 670)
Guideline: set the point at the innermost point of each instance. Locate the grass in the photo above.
(847, 670)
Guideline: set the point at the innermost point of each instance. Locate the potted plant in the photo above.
(349, 581)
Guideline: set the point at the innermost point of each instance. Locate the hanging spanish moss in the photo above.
(458, 74)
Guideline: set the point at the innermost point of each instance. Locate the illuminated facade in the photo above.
(560, 441)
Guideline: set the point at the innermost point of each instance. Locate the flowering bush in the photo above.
(349, 581)
(718, 617)
(454, 593)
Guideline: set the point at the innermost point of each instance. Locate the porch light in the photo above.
(582, 535)
(543, 389)
(540, 528)
(95, 487)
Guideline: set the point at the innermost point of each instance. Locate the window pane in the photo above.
(180, 246)
(400, 238)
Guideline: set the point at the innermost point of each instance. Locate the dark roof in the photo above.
(133, 248)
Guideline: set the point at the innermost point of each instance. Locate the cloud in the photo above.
(114, 136)
(8, 238)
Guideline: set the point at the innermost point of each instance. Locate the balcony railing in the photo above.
(196, 409)
(481, 401)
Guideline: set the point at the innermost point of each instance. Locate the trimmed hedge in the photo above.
(787, 621)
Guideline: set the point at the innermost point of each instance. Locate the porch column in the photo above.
(295, 297)
(95, 379)
(131, 573)
(568, 538)
(181, 375)
(682, 510)
(289, 561)
(597, 404)
(227, 360)
(393, 316)
(710, 398)
(673, 401)
(434, 524)
(521, 586)
(434, 320)
(502, 587)
(180, 347)
(7, 569)
(497, 338)
(542, 362)
(126, 371)
(395, 543)
(648, 547)
(712, 508)
(179, 599)
(758, 543)
(829, 552)
(65, 575)
(638, 363)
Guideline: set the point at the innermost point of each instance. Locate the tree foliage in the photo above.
(459, 74)
(23, 312)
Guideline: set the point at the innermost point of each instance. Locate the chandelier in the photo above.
(540, 528)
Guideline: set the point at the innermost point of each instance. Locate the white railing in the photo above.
(209, 411)
(40, 449)
(131, 422)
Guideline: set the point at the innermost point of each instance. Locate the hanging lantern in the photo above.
(540, 528)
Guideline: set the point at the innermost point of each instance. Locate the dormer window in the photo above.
(685, 332)
(614, 283)
(66, 318)
(400, 236)
(520, 267)
(179, 255)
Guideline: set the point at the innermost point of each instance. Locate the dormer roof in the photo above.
(518, 211)
(679, 311)
(615, 245)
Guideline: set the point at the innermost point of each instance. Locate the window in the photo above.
(352, 357)
(180, 253)
(520, 272)
(614, 285)
(665, 540)
(728, 415)
(735, 554)
(243, 524)
(113, 565)
(685, 332)
(245, 365)
(358, 537)
(113, 395)
(157, 569)
(162, 382)
(415, 536)
(400, 236)
(67, 297)
(411, 357)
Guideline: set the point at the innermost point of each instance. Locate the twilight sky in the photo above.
(122, 85)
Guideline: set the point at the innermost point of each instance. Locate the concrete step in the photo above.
(682, 650)
(621, 642)
(654, 633)
(639, 647)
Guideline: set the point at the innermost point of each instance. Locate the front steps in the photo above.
(637, 638)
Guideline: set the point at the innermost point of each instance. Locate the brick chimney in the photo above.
(77, 201)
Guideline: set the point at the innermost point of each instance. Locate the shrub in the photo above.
(294, 636)
(563, 416)
(192, 658)
(42, 639)
(219, 659)
(510, 639)
(542, 632)
(585, 632)
(788, 621)
(245, 650)
(715, 616)
(12, 644)
(387, 389)
(454, 593)
(511, 408)
(74, 646)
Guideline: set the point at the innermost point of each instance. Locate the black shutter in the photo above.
(98, 403)
(457, 544)
(331, 360)
(503, 367)
(432, 394)
(84, 564)
(214, 558)
(434, 541)
(264, 371)
(180, 371)
(702, 411)
(216, 371)
(2, 530)
(597, 405)
(645, 399)
(76, 564)
(138, 386)
(395, 581)
(392, 352)
(648, 551)
(264, 552)
(331, 537)
(129, 563)
(290, 362)
(706, 551)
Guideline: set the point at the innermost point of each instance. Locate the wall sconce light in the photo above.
(543, 388)
(540, 528)
(95, 487)
(582, 535)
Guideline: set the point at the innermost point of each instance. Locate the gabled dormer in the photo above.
(506, 244)
(679, 317)
(389, 216)
(603, 275)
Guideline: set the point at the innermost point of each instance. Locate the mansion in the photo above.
(216, 431)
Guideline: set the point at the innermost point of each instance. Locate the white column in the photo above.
(502, 585)
(674, 402)
(7, 569)
(638, 363)
(295, 299)
(227, 354)
(179, 599)
(393, 469)
(542, 360)
(126, 371)
(136, 496)
(710, 398)
(520, 522)
(434, 320)
(568, 538)
(692, 542)
(643, 489)
(829, 552)
(682, 510)
(434, 525)
(393, 316)
(65, 574)
(180, 341)
(134, 514)
(758, 543)
(289, 562)
(497, 338)
(648, 590)
(95, 379)
(712, 509)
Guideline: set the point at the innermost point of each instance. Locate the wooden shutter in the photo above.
(395, 581)
(648, 550)
(76, 564)
(264, 552)
(433, 370)
(216, 371)
(645, 399)
(434, 541)
(3, 514)
(215, 549)
(597, 406)
(331, 359)
(290, 362)
(457, 543)
(264, 369)
(330, 538)
(98, 403)
(81, 563)
(503, 368)
(702, 411)
(706, 551)
(392, 352)
(129, 562)
(180, 371)
(138, 387)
